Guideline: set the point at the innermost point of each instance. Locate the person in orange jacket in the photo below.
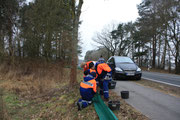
(104, 73)
(85, 65)
(88, 67)
(88, 89)
(91, 69)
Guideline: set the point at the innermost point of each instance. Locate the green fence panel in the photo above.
(102, 110)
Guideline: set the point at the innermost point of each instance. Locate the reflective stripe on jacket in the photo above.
(89, 84)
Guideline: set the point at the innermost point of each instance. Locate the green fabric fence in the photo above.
(102, 110)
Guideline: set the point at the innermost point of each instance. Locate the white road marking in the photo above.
(160, 82)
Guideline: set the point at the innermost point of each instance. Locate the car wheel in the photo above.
(138, 78)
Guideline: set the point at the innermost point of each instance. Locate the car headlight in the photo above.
(139, 70)
(118, 69)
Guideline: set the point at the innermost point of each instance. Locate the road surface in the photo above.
(152, 103)
(169, 79)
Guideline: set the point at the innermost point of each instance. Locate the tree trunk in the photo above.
(169, 61)
(56, 44)
(159, 54)
(164, 55)
(178, 66)
(1, 43)
(73, 79)
(76, 16)
(176, 43)
(154, 52)
(10, 34)
(177, 58)
(19, 48)
(132, 49)
(10, 42)
(139, 56)
(60, 46)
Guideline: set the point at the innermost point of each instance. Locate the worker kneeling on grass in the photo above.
(104, 73)
(87, 90)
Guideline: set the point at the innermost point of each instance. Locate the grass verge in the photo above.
(171, 90)
(43, 93)
(61, 105)
(159, 70)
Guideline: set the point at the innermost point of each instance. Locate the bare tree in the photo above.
(107, 39)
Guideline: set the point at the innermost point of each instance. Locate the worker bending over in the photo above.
(104, 73)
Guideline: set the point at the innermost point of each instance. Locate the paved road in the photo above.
(169, 79)
(154, 104)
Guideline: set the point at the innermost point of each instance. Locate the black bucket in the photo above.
(112, 85)
(114, 105)
(125, 94)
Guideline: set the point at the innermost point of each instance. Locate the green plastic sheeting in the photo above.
(102, 110)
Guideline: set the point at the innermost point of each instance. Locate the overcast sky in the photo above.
(96, 14)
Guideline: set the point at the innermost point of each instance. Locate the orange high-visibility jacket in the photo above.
(103, 67)
(86, 67)
(89, 84)
(91, 70)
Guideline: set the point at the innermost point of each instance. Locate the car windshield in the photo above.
(123, 60)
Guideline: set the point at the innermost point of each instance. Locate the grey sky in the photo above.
(98, 13)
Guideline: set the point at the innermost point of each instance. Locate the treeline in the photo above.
(152, 40)
(96, 54)
(40, 29)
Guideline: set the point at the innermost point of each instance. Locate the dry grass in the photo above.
(158, 70)
(41, 91)
(32, 78)
(171, 90)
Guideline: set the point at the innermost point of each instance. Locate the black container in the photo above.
(112, 84)
(114, 105)
(125, 94)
